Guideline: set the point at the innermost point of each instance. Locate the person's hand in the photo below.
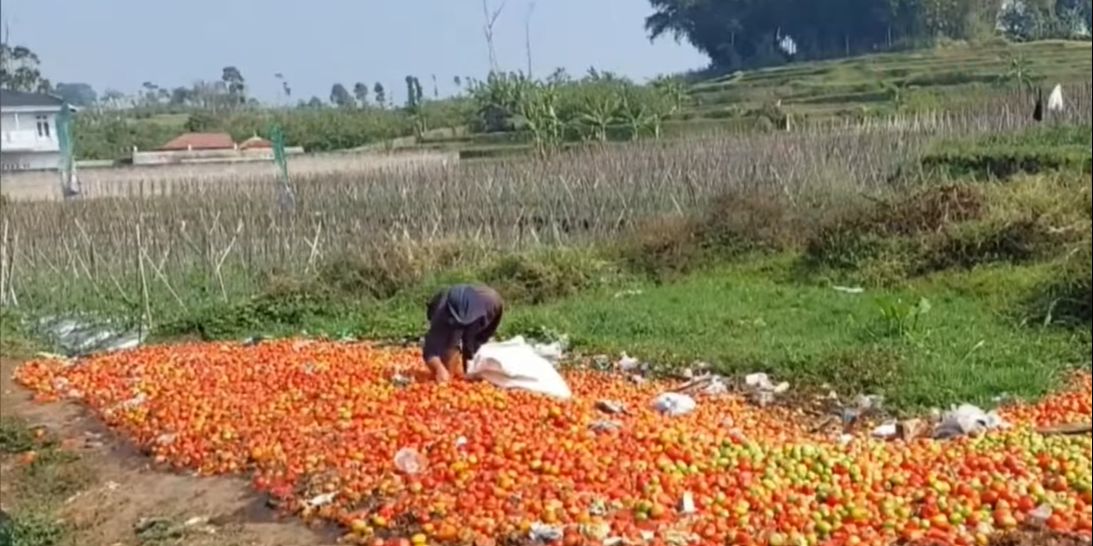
(442, 375)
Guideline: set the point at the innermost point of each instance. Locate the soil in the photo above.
(126, 493)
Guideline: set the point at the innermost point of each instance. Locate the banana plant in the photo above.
(539, 114)
(598, 114)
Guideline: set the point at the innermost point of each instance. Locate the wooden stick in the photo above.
(1066, 430)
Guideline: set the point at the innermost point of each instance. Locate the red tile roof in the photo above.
(255, 142)
(200, 141)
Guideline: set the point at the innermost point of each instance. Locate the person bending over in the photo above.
(461, 319)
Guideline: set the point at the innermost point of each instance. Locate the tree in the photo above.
(414, 95)
(340, 97)
(113, 98)
(360, 91)
(151, 93)
(237, 86)
(181, 96)
(285, 87)
(381, 95)
(315, 102)
(77, 94)
(744, 33)
(20, 70)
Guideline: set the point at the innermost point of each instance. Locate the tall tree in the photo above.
(181, 96)
(340, 97)
(77, 94)
(286, 89)
(20, 70)
(412, 98)
(236, 84)
(151, 93)
(380, 94)
(360, 91)
(742, 33)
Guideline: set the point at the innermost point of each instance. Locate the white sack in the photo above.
(514, 364)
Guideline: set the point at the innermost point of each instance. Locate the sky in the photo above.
(120, 44)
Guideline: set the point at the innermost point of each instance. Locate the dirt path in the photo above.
(123, 490)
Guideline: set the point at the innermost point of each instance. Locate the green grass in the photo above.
(38, 488)
(744, 319)
(755, 315)
(1002, 156)
(954, 73)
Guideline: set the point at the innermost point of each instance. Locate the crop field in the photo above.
(927, 259)
(160, 181)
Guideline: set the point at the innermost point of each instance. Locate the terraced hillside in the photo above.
(920, 80)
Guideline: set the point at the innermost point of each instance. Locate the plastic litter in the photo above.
(1055, 101)
(687, 504)
(886, 431)
(410, 461)
(604, 426)
(321, 500)
(1040, 516)
(674, 404)
(763, 390)
(514, 364)
(401, 381)
(853, 290)
(596, 531)
(967, 420)
(715, 387)
(610, 407)
(762, 382)
(628, 294)
(79, 336)
(628, 364)
(545, 534)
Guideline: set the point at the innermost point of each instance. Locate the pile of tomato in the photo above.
(318, 426)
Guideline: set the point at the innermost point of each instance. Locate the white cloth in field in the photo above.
(514, 364)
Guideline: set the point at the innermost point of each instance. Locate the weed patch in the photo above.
(1003, 156)
(31, 529)
(545, 276)
(15, 436)
(1067, 299)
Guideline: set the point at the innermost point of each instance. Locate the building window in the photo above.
(43, 127)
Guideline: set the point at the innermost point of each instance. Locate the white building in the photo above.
(28, 131)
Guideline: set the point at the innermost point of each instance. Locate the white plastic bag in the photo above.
(968, 420)
(674, 404)
(514, 364)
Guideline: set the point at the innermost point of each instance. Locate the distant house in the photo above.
(28, 131)
(191, 148)
(199, 142)
(256, 143)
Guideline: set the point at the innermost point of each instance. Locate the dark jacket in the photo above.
(464, 316)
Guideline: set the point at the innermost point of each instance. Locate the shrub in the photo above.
(544, 276)
(737, 222)
(876, 236)
(965, 246)
(1068, 298)
(1003, 156)
(663, 247)
(746, 221)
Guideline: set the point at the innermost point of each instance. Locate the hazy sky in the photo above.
(122, 43)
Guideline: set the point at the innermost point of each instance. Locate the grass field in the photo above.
(945, 76)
